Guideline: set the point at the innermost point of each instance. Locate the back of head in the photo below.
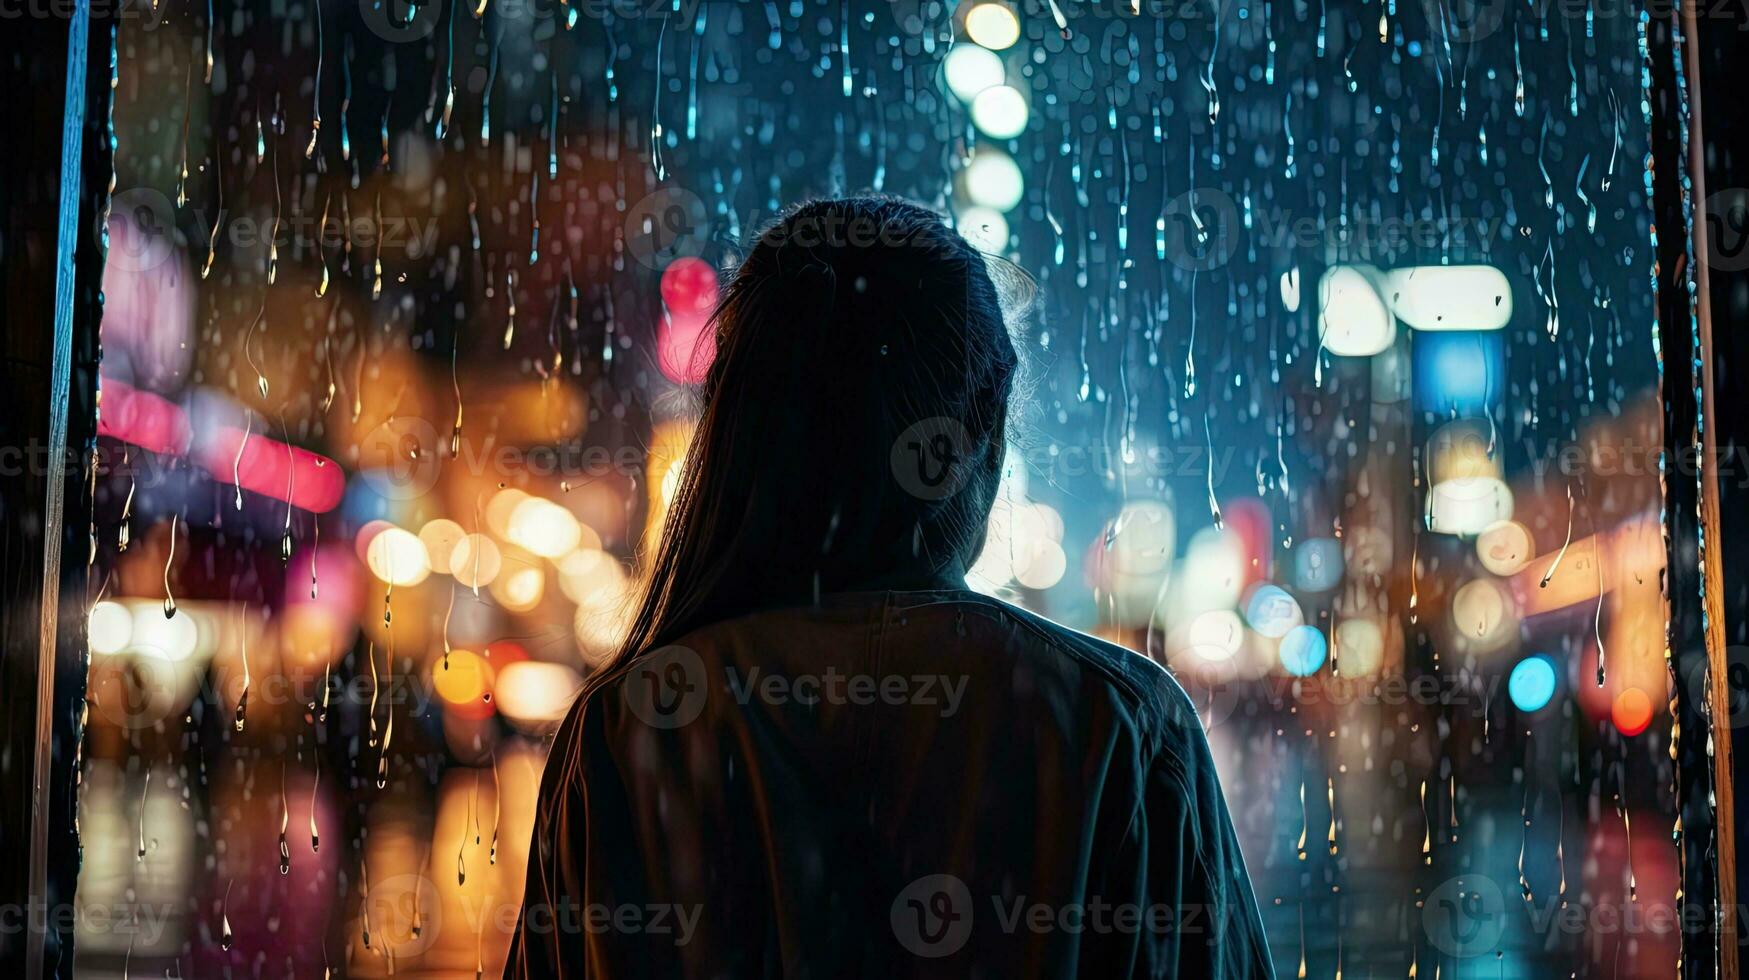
(852, 424)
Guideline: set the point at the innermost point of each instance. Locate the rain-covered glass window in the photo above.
(1340, 400)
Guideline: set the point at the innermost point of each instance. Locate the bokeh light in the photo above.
(1303, 650)
(1000, 112)
(1532, 683)
(993, 25)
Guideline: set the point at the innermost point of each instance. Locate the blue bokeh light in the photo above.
(1303, 650)
(1272, 611)
(1459, 372)
(1532, 683)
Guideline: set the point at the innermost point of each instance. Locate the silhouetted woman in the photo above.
(818, 754)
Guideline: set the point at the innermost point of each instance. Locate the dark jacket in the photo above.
(887, 784)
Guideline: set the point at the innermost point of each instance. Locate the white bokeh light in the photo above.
(993, 25)
(993, 180)
(971, 69)
(1000, 112)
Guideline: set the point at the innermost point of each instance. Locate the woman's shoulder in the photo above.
(1162, 706)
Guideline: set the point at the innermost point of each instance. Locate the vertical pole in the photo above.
(54, 193)
(55, 471)
(1695, 579)
(1711, 555)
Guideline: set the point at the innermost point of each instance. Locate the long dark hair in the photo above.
(852, 421)
(851, 435)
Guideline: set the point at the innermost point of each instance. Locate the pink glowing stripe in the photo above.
(266, 465)
(269, 467)
(142, 418)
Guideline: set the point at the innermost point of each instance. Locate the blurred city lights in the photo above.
(1504, 547)
(109, 627)
(164, 637)
(1450, 297)
(971, 69)
(535, 695)
(1290, 290)
(1632, 711)
(462, 678)
(475, 561)
(689, 287)
(1000, 111)
(1215, 635)
(1531, 683)
(1352, 318)
(993, 25)
(1458, 373)
(1360, 646)
(1483, 615)
(440, 537)
(1318, 564)
(1272, 612)
(398, 557)
(984, 228)
(543, 527)
(520, 589)
(1302, 651)
(1468, 505)
(992, 180)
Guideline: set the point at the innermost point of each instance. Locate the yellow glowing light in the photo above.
(543, 527)
(166, 639)
(592, 578)
(109, 627)
(1360, 647)
(475, 561)
(499, 509)
(664, 463)
(1464, 448)
(1505, 547)
(533, 694)
(1483, 615)
(600, 631)
(671, 481)
(398, 557)
(461, 677)
(993, 25)
(440, 537)
(521, 589)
